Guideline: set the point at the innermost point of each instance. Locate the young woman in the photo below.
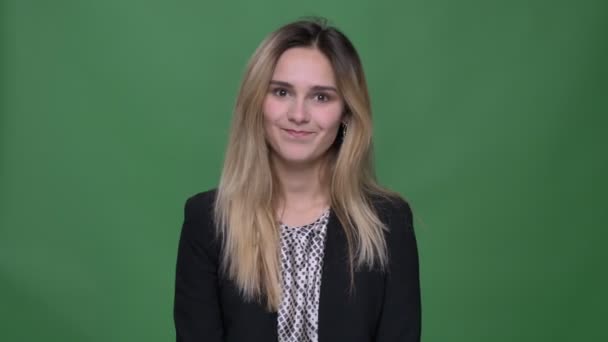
(298, 242)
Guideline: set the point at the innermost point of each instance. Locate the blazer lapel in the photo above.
(334, 280)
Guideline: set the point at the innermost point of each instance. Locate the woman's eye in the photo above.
(322, 97)
(280, 92)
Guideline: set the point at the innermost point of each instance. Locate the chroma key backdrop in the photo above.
(490, 117)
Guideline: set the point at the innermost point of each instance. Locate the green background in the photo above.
(490, 117)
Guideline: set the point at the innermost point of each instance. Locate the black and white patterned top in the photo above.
(302, 250)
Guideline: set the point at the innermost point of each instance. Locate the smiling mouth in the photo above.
(297, 133)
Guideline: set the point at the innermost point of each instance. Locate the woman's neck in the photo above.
(304, 187)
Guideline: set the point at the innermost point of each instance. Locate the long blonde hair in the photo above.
(248, 189)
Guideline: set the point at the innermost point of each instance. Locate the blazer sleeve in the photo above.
(400, 319)
(196, 312)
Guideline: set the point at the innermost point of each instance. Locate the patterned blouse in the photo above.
(302, 250)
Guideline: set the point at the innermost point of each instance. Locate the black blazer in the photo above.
(385, 306)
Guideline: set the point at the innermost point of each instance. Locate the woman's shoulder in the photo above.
(199, 215)
(390, 203)
(198, 237)
(202, 201)
(392, 209)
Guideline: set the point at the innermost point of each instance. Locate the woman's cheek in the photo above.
(273, 107)
(330, 116)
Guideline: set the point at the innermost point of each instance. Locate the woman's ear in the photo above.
(346, 116)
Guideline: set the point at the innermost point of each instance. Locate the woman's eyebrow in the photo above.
(282, 84)
(314, 88)
(324, 88)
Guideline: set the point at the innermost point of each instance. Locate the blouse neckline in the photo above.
(311, 224)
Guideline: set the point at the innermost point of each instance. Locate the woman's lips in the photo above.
(297, 134)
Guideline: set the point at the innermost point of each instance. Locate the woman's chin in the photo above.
(301, 159)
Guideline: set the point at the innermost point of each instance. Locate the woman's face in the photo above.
(302, 108)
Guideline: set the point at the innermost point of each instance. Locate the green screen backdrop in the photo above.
(490, 117)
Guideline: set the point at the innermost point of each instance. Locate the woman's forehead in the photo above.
(304, 66)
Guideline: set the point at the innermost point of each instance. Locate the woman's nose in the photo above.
(298, 112)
